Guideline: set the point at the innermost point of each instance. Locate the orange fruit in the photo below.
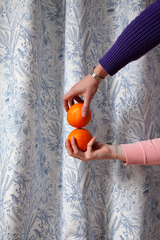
(82, 137)
(74, 116)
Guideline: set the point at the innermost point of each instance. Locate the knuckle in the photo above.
(89, 144)
(88, 157)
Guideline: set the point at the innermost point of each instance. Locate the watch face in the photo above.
(94, 75)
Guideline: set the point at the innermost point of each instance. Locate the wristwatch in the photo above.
(95, 76)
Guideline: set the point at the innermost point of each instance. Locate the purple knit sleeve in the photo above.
(139, 37)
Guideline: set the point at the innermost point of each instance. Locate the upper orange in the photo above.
(74, 116)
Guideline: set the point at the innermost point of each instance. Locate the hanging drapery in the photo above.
(45, 48)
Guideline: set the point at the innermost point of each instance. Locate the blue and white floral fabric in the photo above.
(45, 48)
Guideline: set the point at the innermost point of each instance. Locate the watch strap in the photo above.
(95, 76)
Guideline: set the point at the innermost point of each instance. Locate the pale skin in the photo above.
(87, 88)
(95, 150)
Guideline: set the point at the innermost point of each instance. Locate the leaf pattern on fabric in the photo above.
(45, 48)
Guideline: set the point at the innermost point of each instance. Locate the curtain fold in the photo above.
(45, 48)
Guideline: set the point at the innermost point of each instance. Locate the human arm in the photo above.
(130, 46)
(140, 36)
(96, 151)
(141, 153)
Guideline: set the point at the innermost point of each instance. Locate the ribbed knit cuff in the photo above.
(143, 153)
(152, 151)
(139, 37)
(134, 154)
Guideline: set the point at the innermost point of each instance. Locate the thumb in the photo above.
(85, 107)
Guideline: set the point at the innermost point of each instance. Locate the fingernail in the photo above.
(84, 114)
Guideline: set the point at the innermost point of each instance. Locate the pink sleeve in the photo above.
(143, 153)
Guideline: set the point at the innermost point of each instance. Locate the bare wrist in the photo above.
(117, 152)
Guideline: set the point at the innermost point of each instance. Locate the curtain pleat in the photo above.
(45, 48)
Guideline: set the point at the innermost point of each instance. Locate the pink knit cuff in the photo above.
(143, 153)
(152, 151)
(134, 154)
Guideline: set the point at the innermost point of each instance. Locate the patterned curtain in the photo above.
(46, 46)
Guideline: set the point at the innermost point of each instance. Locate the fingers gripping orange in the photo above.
(82, 137)
(74, 116)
